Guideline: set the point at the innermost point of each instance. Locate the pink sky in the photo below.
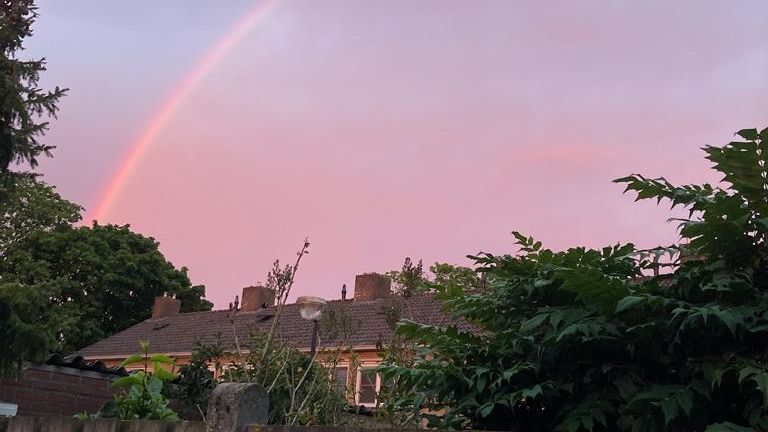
(385, 129)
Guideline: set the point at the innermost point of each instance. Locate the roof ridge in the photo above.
(198, 312)
(334, 301)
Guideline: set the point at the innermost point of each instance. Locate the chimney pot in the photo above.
(165, 306)
(257, 297)
(372, 286)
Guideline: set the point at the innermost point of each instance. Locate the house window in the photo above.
(341, 379)
(367, 387)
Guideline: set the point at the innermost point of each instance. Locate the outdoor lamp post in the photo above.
(311, 308)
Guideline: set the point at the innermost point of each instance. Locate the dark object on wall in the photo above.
(234, 406)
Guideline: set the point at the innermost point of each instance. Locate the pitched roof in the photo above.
(366, 324)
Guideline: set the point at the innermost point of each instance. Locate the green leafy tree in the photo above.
(410, 279)
(449, 274)
(28, 326)
(32, 205)
(22, 102)
(580, 340)
(102, 278)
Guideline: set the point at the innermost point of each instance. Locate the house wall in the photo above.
(53, 390)
(361, 357)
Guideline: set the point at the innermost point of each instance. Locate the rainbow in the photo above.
(175, 100)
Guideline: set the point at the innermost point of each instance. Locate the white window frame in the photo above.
(349, 371)
(377, 385)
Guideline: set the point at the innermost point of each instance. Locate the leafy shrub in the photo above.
(143, 398)
(195, 381)
(301, 390)
(581, 340)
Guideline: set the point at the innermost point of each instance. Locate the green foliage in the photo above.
(22, 102)
(195, 381)
(62, 288)
(300, 390)
(410, 279)
(452, 275)
(31, 206)
(399, 351)
(580, 340)
(27, 326)
(143, 396)
(103, 279)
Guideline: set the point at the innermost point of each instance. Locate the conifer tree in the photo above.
(23, 105)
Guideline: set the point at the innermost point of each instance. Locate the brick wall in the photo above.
(372, 286)
(52, 390)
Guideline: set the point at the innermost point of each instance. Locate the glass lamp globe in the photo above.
(311, 308)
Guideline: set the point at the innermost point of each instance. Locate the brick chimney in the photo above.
(372, 286)
(257, 297)
(165, 306)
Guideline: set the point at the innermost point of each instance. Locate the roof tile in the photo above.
(178, 333)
